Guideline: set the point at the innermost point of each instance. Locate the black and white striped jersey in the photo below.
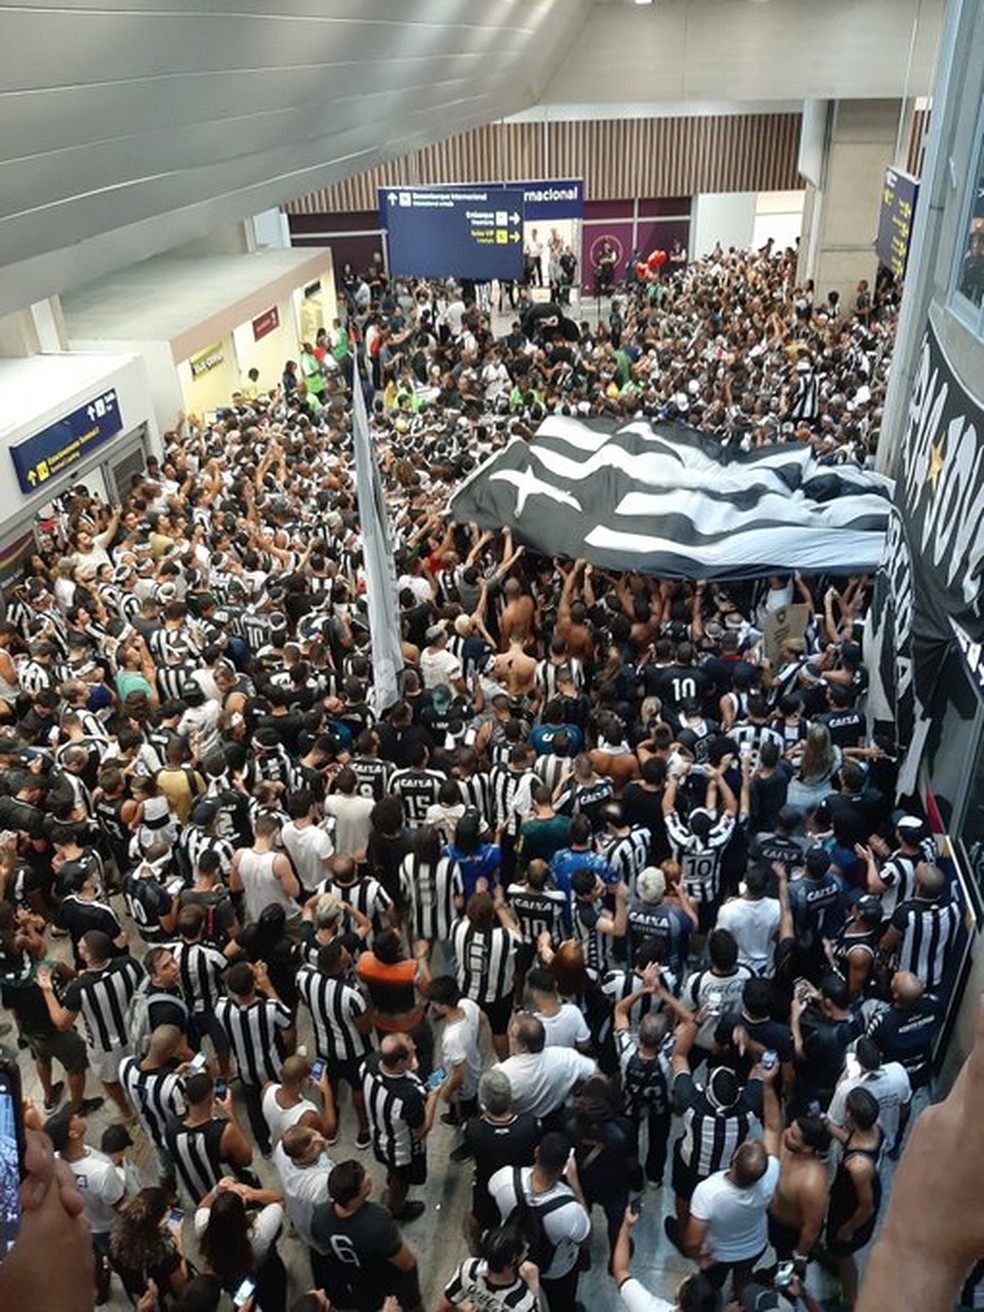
(102, 997)
(34, 677)
(252, 1033)
(629, 856)
(550, 769)
(194, 841)
(396, 1106)
(546, 676)
(929, 932)
(512, 797)
(372, 776)
(418, 791)
(334, 1004)
(201, 969)
(486, 960)
(430, 892)
(171, 679)
(536, 910)
(366, 895)
(476, 791)
(196, 1152)
(700, 858)
(595, 944)
(156, 1096)
(710, 1135)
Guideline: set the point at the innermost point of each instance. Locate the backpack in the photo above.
(138, 1025)
(528, 1220)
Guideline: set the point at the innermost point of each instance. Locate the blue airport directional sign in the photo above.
(895, 219)
(67, 442)
(453, 232)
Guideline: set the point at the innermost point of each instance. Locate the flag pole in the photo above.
(377, 548)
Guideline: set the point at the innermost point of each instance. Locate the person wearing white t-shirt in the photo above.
(887, 1083)
(728, 1226)
(351, 812)
(694, 1291)
(753, 921)
(99, 1183)
(437, 664)
(308, 845)
(461, 1054)
(303, 1167)
(541, 1078)
(563, 1023)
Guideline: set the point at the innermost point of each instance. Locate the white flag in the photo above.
(381, 593)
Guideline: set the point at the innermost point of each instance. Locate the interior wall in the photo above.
(644, 156)
(798, 49)
(166, 397)
(725, 217)
(270, 353)
(212, 390)
(40, 391)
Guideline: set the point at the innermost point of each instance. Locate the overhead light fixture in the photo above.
(643, 2)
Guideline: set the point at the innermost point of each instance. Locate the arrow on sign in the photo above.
(392, 198)
(514, 236)
(91, 412)
(513, 218)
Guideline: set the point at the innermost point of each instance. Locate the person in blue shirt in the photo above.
(475, 859)
(816, 902)
(579, 856)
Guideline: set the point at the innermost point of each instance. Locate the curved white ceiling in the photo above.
(129, 126)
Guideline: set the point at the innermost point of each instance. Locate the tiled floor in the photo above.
(437, 1236)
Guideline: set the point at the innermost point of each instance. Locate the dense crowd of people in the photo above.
(609, 890)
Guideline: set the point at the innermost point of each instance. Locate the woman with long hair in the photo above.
(820, 761)
(237, 1229)
(143, 1246)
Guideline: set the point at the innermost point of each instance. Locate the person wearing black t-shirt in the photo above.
(844, 721)
(498, 1137)
(81, 911)
(364, 1256)
(823, 1030)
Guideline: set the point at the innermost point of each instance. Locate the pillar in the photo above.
(840, 215)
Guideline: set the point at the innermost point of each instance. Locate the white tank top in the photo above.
(261, 886)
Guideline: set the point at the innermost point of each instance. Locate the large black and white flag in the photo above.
(666, 500)
(381, 593)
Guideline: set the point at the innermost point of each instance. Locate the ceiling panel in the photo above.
(127, 126)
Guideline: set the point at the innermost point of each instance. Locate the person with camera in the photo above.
(787, 1293)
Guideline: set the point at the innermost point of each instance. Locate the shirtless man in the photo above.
(799, 1204)
(517, 622)
(514, 668)
(571, 615)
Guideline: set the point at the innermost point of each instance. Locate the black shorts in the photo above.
(499, 1014)
(207, 1023)
(64, 1046)
(525, 956)
(685, 1178)
(343, 1070)
(783, 1238)
(413, 1172)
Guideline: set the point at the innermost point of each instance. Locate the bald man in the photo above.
(401, 1113)
(284, 1104)
(728, 1219)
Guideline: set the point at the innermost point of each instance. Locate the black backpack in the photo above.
(528, 1219)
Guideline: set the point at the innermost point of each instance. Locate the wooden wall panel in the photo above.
(917, 141)
(618, 159)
